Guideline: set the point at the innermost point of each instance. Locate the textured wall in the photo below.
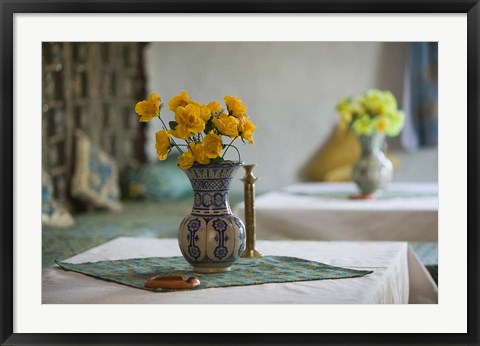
(290, 89)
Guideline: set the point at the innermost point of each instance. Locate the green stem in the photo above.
(164, 126)
(228, 147)
(238, 152)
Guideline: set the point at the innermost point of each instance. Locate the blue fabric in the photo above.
(101, 171)
(54, 213)
(159, 181)
(268, 269)
(96, 175)
(163, 181)
(420, 99)
(47, 196)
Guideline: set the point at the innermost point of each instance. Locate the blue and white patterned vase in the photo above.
(211, 238)
(373, 171)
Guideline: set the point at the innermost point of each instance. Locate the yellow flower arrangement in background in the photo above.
(200, 126)
(375, 111)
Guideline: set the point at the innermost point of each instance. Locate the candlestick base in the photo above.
(251, 253)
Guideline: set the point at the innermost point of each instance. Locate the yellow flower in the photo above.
(148, 109)
(373, 111)
(227, 125)
(200, 154)
(186, 160)
(212, 144)
(162, 144)
(235, 106)
(205, 113)
(215, 107)
(381, 124)
(179, 132)
(349, 111)
(194, 102)
(246, 128)
(373, 102)
(345, 106)
(188, 121)
(181, 100)
(363, 126)
(378, 102)
(397, 121)
(390, 102)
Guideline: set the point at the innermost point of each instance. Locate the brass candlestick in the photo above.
(249, 192)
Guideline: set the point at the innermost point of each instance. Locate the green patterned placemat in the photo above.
(268, 269)
(346, 195)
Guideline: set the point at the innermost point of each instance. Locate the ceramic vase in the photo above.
(373, 171)
(211, 238)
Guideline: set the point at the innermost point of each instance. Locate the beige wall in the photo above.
(290, 89)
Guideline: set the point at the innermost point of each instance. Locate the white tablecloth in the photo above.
(310, 211)
(398, 276)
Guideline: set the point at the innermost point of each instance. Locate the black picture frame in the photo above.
(10, 7)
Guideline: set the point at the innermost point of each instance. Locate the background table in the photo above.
(322, 211)
(398, 276)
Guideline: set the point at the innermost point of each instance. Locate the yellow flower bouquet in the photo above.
(210, 238)
(202, 127)
(375, 111)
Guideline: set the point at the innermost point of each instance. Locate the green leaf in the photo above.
(218, 159)
(172, 124)
(209, 126)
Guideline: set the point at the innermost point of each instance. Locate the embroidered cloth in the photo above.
(268, 269)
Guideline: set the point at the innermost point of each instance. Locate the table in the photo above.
(398, 276)
(322, 211)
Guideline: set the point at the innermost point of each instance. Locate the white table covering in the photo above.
(292, 214)
(398, 276)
